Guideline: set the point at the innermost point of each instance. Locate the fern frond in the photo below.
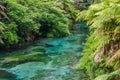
(111, 76)
(114, 57)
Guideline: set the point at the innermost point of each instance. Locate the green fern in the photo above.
(103, 19)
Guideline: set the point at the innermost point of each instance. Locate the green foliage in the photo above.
(102, 44)
(1, 32)
(25, 20)
(111, 76)
(9, 34)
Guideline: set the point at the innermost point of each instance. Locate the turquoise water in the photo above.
(63, 53)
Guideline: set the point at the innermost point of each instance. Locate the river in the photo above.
(56, 58)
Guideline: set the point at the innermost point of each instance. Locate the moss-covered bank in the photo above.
(102, 49)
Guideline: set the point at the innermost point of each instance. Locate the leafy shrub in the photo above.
(102, 46)
(26, 20)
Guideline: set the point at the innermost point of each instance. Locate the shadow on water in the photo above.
(64, 53)
(4, 75)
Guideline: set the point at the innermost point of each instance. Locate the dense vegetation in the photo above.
(101, 56)
(22, 21)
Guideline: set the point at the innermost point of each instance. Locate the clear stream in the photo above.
(64, 54)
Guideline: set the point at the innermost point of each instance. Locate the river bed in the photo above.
(56, 58)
